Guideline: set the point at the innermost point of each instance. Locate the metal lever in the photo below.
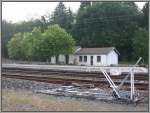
(121, 84)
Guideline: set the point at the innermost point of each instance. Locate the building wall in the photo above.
(108, 59)
(72, 59)
(62, 59)
(83, 63)
(95, 63)
(112, 58)
(103, 61)
(53, 60)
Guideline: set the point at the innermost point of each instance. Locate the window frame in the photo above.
(80, 58)
(85, 58)
(98, 58)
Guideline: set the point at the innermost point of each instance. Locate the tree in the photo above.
(7, 33)
(140, 44)
(56, 41)
(107, 24)
(70, 20)
(42, 23)
(60, 15)
(15, 49)
(145, 16)
(31, 43)
(40, 46)
(63, 17)
(24, 46)
(9, 29)
(84, 5)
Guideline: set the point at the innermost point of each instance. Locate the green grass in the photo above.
(28, 101)
(127, 62)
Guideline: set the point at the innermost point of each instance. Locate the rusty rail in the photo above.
(69, 77)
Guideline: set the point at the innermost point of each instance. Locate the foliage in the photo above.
(56, 41)
(40, 46)
(63, 17)
(7, 33)
(9, 29)
(31, 42)
(15, 49)
(96, 24)
(107, 24)
(140, 44)
(145, 16)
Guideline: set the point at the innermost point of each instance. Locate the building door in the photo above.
(91, 60)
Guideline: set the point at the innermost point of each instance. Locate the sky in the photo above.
(24, 11)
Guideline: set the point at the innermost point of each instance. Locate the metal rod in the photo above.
(110, 81)
(121, 84)
(132, 84)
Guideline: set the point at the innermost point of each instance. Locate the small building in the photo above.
(92, 57)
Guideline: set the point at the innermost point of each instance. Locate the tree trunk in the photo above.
(57, 58)
(67, 59)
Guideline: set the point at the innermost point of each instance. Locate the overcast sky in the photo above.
(20, 11)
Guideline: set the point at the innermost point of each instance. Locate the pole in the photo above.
(110, 81)
(132, 84)
(121, 84)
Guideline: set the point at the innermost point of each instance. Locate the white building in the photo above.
(91, 56)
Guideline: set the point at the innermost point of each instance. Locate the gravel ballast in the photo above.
(59, 90)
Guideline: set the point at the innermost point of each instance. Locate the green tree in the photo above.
(140, 44)
(24, 46)
(31, 43)
(84, 5)
(15, 49)
(107, 24)
(70, 21)
(56, 41)
(40, 46)
(42, 23)
(7, 33)
(63, 17)
(9, 29)
(145, 16)
(60, 15)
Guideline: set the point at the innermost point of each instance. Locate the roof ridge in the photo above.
(100, 50)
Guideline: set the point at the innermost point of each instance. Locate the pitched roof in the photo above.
(77, 48)
(104, 50)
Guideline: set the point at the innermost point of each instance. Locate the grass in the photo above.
(28, 101)
(127, 62)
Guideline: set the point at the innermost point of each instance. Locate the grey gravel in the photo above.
(18, 84)
(58, 90)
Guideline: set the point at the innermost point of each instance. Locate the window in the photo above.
(80, 58)
(85, 58)
(98, 58)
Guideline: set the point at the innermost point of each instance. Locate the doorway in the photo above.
(91, 60)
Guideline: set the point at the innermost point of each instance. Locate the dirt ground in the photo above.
(13, 100)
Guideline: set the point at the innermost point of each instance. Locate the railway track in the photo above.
(96, 74)
(70, 77)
